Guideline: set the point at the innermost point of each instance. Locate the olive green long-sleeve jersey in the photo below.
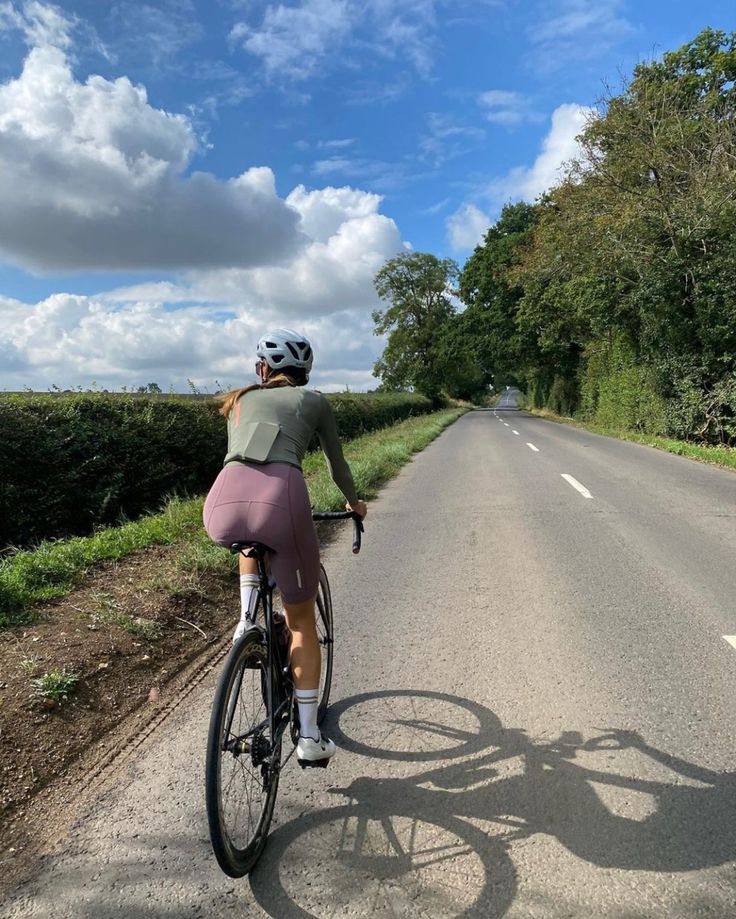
(276, 425)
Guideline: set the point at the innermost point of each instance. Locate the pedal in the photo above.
(312, 764)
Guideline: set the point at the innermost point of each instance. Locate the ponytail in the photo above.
(294, 376)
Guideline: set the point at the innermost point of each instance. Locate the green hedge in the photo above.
(72, 462)
(361, 413)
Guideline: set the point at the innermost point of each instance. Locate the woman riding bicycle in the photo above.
(261, 496)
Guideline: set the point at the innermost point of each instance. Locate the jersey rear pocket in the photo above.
(259, 438)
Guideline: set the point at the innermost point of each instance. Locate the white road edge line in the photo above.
(731, 639)
(532, 447)
(576, 485)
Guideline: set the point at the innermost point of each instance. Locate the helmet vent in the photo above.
(271, 344)
(277, 358)
(294, 352)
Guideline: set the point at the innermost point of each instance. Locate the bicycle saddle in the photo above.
(258, 548)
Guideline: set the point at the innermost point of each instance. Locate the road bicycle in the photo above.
(254, 705)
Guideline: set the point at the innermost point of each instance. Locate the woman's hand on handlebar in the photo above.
(360, 507)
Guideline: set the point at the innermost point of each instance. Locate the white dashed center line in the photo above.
(731, 639)
(517, 433)
(532, 447)
(576, 485)
(505, 424)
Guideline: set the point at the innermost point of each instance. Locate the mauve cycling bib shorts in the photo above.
(268, 503)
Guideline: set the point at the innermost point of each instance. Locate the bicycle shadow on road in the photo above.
(412, 844)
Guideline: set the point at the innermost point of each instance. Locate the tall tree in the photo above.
(629, 273)
(492, 296)
(418, 287)
(658, 190)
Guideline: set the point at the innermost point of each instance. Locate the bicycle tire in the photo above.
(238, 856)
(325, 634)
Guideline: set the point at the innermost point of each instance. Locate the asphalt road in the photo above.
(533, 698)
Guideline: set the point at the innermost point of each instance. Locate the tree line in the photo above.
(613, 296)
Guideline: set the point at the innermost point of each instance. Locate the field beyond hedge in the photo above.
(75, 462)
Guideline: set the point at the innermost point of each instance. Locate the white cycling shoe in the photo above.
(314, 752)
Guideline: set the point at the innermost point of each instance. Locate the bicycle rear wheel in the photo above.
(242, 766)
(325, 635)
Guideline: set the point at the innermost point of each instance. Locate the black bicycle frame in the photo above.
(275, 666)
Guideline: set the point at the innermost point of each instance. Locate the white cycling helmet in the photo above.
(281, 348)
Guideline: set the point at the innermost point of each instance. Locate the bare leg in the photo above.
(248, 565)
(248, 594)
(306, 659)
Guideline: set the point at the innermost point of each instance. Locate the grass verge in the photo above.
(31, 577)
(715, 456)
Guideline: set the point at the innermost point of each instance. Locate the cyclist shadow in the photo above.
(409, 840)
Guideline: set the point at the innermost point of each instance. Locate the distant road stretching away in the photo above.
(508, 399)
(534, 702)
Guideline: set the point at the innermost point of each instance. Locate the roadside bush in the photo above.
(704, 415)
(535, 394)
(628, 401)
(360, 413)
(562, 396)
(618, 393)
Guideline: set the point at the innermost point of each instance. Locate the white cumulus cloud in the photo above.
(558, 147)
(93, 176)
(70, 341)
(467, 226)
(349, 242)
(324, 211)
(204, 325)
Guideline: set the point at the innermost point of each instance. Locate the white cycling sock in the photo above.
(248, 596)
(307, 701)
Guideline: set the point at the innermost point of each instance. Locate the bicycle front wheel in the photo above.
(325, 636)
(242, 766)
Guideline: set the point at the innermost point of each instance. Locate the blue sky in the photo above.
(177, 175)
